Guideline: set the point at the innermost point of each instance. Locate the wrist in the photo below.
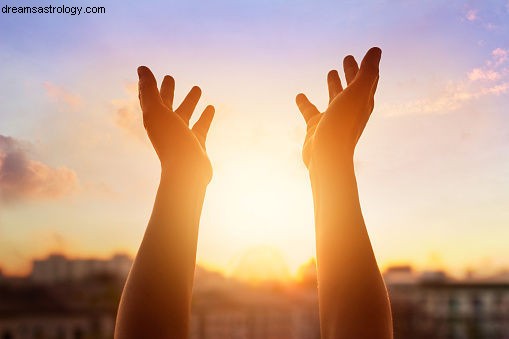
(180, 196)
(331, 179)
(331, 164)
(198, 176)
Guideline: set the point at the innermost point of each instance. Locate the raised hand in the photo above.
(353, 299)
(177, 145)
(156, 300)
(332, 135)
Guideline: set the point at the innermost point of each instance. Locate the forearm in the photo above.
(157, 296)
(351, 289)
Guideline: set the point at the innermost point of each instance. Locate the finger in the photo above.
(168, 91)
(334, 84)
(187, 106)
(350, 67)
(202, 126)
(368, 73)
(307, 109)
(371, 106)
(147, 87)
(372, 96)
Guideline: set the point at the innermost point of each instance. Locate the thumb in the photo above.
(306, 108)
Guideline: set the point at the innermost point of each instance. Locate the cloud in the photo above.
(471, 15)
(500, 55)
(65, 99)
(481, 74)
(22, 178)
(486, 17)
(490, 79)
(129, 120)
(128, 115)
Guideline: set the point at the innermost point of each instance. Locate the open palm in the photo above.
(177, 145)
(332, 135)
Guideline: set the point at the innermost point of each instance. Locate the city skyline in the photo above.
(56, 266)
(78, 174)
(52, 301)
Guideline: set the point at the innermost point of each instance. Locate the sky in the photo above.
(78, 174)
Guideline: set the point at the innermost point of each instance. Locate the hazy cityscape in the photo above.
(65, 298)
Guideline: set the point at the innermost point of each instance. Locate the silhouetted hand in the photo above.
(353, 300)
(177, 145)
(156, 300)
(332, 135)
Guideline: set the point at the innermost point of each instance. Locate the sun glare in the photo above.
(262, 204)
(261, 264)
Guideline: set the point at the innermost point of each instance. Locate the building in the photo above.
(62, 311)
(73, 299)
(57, 268)
(63, 299)
(225, 308)
(79, 299)
(255, 314)
(437, 307)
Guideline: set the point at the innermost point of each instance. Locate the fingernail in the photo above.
(349, 58)
(142, 71)
(299, 98)
(377, 52)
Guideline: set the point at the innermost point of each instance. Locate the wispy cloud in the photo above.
(482, 74)
(492, 78)
(471, 15)
(128, 115)
(490, 17)
(64, 98)
(22, 178)
(500, 56)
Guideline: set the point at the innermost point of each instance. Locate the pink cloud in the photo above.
(129, 120)
(483, 74)
(61, 96)
(490, 79)
(480, 74)
(471, 15)
(22, 178)
(500, 55)
(497, 89)
(128, 115)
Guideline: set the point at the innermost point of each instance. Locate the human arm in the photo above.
(156, 299)
(353, 299)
